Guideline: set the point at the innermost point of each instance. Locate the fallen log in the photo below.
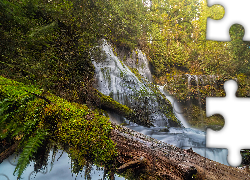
(131, 164)
(9, 151)
(142, 157)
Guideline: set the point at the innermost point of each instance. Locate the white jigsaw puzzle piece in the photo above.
(236, 12)
(235, 112)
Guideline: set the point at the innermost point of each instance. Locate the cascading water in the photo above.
(190, 137)
(114, 76)
(115, 79)
(176, 107)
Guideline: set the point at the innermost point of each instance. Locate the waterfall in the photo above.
(176, 107)
(116, 79)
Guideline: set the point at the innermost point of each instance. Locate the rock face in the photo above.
(140, 156)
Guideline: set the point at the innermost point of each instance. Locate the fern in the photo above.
(16, 119)
(29, 150)
(10, 112)
(5, 106)
(5, 115)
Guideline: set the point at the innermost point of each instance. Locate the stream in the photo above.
(115, 78)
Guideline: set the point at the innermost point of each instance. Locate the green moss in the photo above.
(197, 118)
(131, 174)
(27, 112)
(136, 72)
(108, 103)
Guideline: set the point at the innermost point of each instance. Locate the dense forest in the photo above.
(46, 49)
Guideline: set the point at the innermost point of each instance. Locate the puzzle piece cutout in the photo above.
(235, 13)
(235, 111)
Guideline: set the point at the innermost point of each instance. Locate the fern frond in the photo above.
(5, 106)
(10, 111)
(29, 150)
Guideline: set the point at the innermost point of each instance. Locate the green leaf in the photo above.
(29, 149)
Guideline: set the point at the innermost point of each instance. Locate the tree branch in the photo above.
(5, 154)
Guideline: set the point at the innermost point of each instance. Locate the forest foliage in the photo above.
(49, 44)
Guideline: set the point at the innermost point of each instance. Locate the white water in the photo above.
(176, 107)
(115, 79)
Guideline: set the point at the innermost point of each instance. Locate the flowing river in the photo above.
(116, 79)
